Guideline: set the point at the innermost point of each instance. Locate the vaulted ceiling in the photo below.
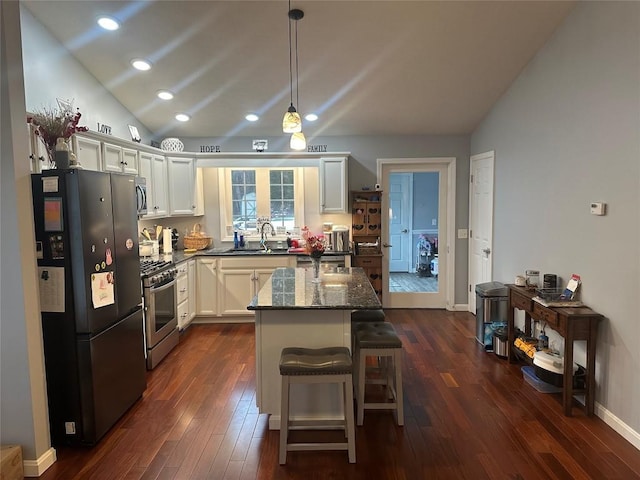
(365, 67)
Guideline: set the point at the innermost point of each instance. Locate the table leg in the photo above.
(590, 381)
(567, 381)
(511, 337)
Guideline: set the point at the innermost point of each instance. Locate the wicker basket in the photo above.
(196, 239)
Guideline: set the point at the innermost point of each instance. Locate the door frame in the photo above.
(448, 250)
(473, 275)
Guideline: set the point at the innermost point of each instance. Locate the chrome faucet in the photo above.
(263, 237)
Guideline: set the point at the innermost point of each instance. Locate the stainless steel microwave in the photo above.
(141, 195)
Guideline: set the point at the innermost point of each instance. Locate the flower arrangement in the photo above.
(314, 244)
(51, 124)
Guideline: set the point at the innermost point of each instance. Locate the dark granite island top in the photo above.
(339, 289)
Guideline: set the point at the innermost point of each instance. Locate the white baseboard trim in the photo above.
(458, 307)
(225, 319)
(35, 468)
(618, 425)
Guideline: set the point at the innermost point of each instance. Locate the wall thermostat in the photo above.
(598, 208)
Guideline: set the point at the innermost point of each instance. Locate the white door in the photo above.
(480, 223)
(399, 222)
(442, 296)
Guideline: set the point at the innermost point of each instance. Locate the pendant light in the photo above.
(292, 123)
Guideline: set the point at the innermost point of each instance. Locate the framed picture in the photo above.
(135, 136)
(66, 106)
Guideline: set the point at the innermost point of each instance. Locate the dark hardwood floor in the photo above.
(468, 415)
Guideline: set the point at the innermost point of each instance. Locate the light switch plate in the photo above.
(463, 233)
(598, 208)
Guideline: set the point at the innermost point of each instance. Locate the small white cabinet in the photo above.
(207, 280)
(333, 185)
(186, 293)
(37, 152)
(154, 168)
(88, 152)
(182, 181)
(119, 159)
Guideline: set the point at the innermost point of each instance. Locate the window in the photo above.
(250, 195)
(281, 195)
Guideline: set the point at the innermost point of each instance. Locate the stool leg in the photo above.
(397, 360)
(362, 358)
(284, 419)
(348, 411)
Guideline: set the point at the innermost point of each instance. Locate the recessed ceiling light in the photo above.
(183, 117)
(142, 65)
(165, 95)
(252, 117)
(108, 23)
(311, 117)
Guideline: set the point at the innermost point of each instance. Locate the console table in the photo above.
(573, 323)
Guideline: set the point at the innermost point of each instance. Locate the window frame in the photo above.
(263, 201)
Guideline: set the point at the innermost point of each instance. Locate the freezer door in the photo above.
(125, 230)
(112, 375)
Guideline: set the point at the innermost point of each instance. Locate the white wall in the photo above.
(567, 133)
(50, 72)
(23, 408)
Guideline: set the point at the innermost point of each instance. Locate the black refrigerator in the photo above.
(90, 298)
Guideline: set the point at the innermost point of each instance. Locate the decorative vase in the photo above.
(315, 261)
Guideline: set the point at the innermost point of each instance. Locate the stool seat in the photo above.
(377, 335)
(314, 366)
(378, 339)
(315, 361)
(368, 315)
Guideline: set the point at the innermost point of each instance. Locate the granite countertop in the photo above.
(339, 289)
(178, 256)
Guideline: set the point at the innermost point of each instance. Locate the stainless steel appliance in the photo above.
(340, 239)
(141, 195)
(160, 299)
(90, 298)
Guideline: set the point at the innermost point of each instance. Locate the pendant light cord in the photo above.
(290, 54)
(297, 99)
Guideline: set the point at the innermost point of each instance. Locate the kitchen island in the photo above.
(293, 311)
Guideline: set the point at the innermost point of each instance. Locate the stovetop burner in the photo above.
(149, 266)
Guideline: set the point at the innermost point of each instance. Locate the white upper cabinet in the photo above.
(130, 161)
(334, 185)
(119, 159)
(154, 169)
(112, 158)
(39, 159)
(88, 152)
(182, 181)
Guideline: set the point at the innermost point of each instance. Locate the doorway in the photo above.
(417, 217)
(480, 223)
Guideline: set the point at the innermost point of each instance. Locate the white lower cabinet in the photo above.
(240, 278)
(207, 291)
(182, 286)
(191, 283)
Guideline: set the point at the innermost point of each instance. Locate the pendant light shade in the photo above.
(298, 142)
(292, 122)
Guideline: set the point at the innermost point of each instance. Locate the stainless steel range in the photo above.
(160, 309)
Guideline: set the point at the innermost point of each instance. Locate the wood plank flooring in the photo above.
(411, 282)
(468, 415)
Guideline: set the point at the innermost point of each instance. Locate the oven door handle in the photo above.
(163, 287)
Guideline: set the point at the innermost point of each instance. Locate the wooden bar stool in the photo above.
(317, 365)
(378, 339)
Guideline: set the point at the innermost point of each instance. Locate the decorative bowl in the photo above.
(172, 145)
